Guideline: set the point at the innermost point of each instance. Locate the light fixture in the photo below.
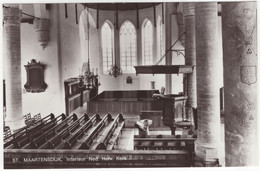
(87, 80)
(115, 70)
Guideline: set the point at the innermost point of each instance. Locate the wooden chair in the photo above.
(37, 117)
(7, 131)
(28, 119)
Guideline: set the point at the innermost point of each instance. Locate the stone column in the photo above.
(12, 55)
(208, 142)
(181, 27)
(168, 43)
(190, 57)
(240, 83)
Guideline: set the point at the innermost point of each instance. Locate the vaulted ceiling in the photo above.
(120, 6)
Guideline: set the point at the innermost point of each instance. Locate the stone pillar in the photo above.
(168, 43)
(190, 57)
(208, 142)
(240, 83)
(180, 20)
(12, 55)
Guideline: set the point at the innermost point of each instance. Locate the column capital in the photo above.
(12, 15)
(188, 9)
(41, 24)
(41, 27)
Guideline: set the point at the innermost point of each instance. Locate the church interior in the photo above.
(118, 85)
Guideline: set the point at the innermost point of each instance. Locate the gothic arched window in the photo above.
(127, 47)
(147, 43)
(107, 38)
(160, 40)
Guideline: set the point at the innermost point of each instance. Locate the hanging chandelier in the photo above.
(88, 79)
(115, 71)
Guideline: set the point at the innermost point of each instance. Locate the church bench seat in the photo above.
(26, 134)
(35, 143)
(79, 133)
(89, 140)
(109, 132)
(115, 137)
(57, 141)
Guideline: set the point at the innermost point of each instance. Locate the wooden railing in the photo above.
(172, 142)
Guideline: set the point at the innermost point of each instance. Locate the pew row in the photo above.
(72, 140)
(93, 134)
(24, 135)
(27, 128)
(37, 142)
(57, 140)
(110, 137)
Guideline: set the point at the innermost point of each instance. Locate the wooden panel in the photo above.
(76, 96)
(124, 102)
(125, 94)
(164, 69)
(124, 107)
(155, 116)
(73, 103)
(86, 96)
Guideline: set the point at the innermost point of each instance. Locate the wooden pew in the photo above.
(78, 134)
(15, 140)
(27, 128)
(173, 142)
(38, 131)
(109, 133)
(86, 144)
(37, 142)
(115, 137)
(57, 139)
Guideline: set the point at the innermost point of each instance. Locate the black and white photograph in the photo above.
(129, 85)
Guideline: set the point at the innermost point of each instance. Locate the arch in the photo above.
(85, 19)
(86, 16)
(128, 46)
(160, 40)
(107, 44)
(147, 42)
